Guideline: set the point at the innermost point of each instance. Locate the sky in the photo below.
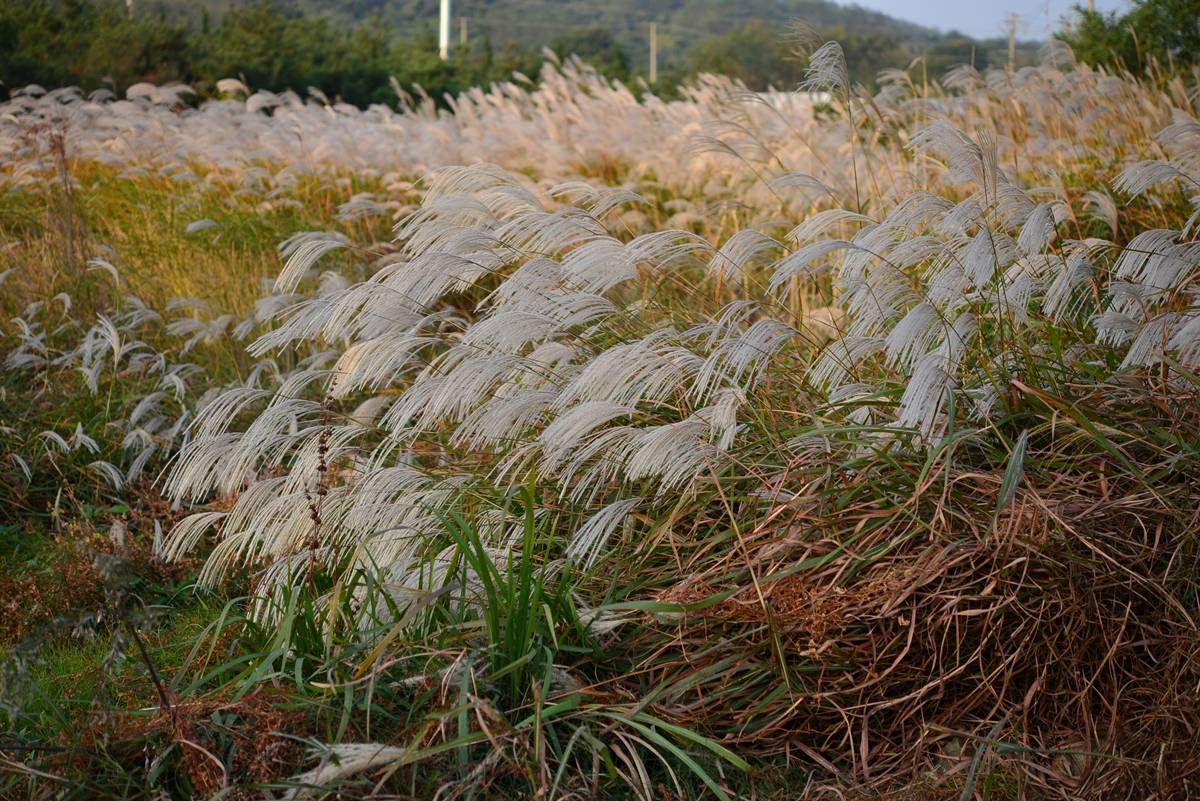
(984, 18)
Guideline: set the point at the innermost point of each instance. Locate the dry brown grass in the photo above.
(1058, 646)
(83, 569)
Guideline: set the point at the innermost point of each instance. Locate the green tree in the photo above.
(86, 43)
(758, 54)
(598, 47)
(1164, 32)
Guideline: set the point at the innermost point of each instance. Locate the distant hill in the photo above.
(356, 49)
(683, 25)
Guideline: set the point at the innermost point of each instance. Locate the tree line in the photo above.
(94, 43)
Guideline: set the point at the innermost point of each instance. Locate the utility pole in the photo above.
(1012, 41)
(653, 52)
(462, 32)
(1091, 6)
(444, 31)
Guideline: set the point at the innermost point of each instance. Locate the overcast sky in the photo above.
(984, 18)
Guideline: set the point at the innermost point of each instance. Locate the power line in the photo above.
(669, 27)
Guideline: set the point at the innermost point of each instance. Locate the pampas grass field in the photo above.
(572, 443)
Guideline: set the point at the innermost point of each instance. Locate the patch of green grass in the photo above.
(143, 219)
(69, 675)
(19, 544)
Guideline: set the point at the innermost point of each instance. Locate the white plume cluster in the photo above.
(155, 424)
(545, 373)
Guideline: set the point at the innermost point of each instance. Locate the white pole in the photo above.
(444, 31)
(653, 52)
(1012, 42)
